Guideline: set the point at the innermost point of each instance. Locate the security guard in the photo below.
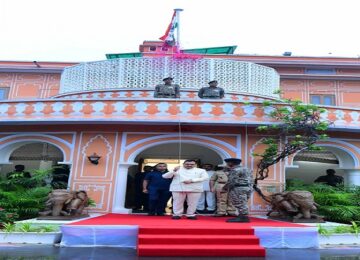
(239, 186)
(167, 90)
(212, 91)
(223, 204)
(158, 189)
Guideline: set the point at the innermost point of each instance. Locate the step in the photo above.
(202, 250)
(197, 231)
(198, 239)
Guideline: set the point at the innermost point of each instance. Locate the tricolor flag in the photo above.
(169, 36)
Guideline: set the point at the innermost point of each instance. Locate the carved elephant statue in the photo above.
(55, 203)
(294, 205)
(304, 201)
(79, 201)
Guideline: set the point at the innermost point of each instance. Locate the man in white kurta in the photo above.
(187, 184)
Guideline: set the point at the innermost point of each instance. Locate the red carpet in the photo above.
(203, 221)
(207, 236)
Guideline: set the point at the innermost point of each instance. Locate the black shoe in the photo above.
(151, 214)
(176, 217)
(193, 218)
(200, 211)
(160, 214)
(239, 219)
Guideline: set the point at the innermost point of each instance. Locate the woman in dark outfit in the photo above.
(158, 189)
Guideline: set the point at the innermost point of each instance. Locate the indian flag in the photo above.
(169, 36)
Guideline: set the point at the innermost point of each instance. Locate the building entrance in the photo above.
(171, 154)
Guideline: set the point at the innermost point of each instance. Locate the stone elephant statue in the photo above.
(65, 203)
(294, 205)
(54, 206)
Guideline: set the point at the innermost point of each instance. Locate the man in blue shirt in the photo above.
(158, 189)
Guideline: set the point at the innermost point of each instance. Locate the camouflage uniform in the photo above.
(167, 91)
(240, 187)
(211, 92)
(223, 203)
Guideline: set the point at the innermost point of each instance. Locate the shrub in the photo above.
(338, 204)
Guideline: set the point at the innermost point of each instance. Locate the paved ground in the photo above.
(40, 252)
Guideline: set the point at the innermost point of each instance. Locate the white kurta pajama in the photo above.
(190, 192)
(207, 195)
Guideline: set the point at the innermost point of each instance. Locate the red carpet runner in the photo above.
(207, 236)
(177, 241)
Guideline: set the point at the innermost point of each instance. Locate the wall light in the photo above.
(94, 158)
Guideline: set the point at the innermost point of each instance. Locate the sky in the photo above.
(85, 30)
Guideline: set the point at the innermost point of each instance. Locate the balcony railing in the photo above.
(146, 72)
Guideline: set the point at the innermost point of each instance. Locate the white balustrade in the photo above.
(146, 72)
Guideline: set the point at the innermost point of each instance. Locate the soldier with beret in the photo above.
(239, 186)
(212, 91)
(167, 90)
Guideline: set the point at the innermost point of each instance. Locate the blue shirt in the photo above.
(156, 180)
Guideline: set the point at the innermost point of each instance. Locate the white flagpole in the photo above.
(177, 11)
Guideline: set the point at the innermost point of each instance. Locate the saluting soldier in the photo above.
(167, 90)
(239, 186)
(212, 91)
(223, 205)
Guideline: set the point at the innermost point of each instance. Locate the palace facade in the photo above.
(62, 113)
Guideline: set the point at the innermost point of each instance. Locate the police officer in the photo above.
(212, 91)
(167, 90)
(158, 189)
(223, 204)
(239, 186)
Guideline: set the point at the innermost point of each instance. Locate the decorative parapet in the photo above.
(146, 72)
(185, 94)
(154, 110)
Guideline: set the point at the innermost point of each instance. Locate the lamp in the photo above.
(94, 158)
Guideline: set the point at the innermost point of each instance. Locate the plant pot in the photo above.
(339, 239)
(47, 238)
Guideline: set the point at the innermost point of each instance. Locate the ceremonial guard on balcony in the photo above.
(212, 91)
(167, 90)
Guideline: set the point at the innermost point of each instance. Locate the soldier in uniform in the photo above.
(212, 91)
(239, 186)
(224, 207)
(167, 90)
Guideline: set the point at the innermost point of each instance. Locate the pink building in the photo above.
(53, 112)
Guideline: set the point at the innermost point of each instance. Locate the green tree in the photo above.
(297, 126)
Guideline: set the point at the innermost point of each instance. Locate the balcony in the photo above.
(190, 73)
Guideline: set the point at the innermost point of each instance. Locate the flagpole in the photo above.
(177, 11)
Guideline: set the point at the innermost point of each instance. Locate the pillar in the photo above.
(353, 177)
(120, 189)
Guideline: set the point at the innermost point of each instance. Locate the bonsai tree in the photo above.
(298, 126)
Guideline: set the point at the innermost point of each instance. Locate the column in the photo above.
(353, 177)
(120, 189)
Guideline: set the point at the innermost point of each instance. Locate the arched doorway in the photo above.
(171, 153)
(307, 165)
(39, 156)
